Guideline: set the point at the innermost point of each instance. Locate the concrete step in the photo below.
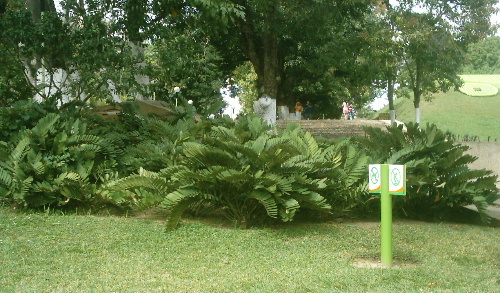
(334, 128)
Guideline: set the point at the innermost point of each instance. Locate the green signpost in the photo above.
(386, 180)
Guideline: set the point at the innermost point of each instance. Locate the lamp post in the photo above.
(176, 91)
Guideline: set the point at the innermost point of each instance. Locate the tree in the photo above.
(64, 58)
(383, 59)
(37, 7)
(188, 60)
(290, 44)
(482, 57)
(434, 43)
(287, 40)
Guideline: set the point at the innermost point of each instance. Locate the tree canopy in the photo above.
(483, 57)
(432, 37)
(323, 51)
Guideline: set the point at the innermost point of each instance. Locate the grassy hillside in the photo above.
(458, 113)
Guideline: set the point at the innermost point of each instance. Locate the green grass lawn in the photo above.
(458, 113)
(51, 253)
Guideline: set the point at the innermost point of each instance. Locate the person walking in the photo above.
(298, 110)
(345, 110)
(308, 110)
(351, 111)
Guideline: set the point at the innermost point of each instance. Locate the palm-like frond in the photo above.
(177, 211)
(45, 125)
(437, 169)
(199, 155)
(5, 178)
(267, 201)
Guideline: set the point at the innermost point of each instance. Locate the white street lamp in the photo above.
(176, 91)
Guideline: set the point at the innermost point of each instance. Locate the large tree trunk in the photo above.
(268, 67)
(263, 51)
(37, 7)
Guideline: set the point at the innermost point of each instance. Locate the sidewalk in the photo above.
(493, 211)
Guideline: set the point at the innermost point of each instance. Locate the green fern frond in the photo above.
(158, 127)
(20, 150)
(204, 156)
(224, 134)
(145, 198)
(267, 201)
(84, 139)
(231, 175)
(176, 213)
(313, 200)
(43, 186)
(242, 150)
(172, 170)
(45, 124)
(82, 148)
(33, 156)
(283, 184)
(332, 154)
(5, 178)
(482, 207)
(257, 126)
(281, 142)
(105, 167)
(258, 144)
(149, 174)
(84, 169)
(67, 176)
(290, 206)
(39, 168)
(173, 198)
(312, 145)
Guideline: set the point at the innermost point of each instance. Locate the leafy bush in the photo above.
(244, 174)
(21, 115)
(347, 186)
(438, 177)
(52, 163)
(25, 114)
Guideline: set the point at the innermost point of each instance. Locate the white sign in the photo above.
(397, 179)
(375, 181)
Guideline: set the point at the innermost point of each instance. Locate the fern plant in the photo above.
(246, 175)
(438, 177)
(347, 186)
(52, 163)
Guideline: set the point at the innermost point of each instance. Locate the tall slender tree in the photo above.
(434, 42)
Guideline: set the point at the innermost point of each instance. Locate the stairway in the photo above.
(334, 128)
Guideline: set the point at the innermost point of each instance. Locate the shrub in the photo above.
(53, 163)
(21, 115)
(244, 174)
(347, 185)
(438, 177)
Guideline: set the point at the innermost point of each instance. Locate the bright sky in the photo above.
(495, 19)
